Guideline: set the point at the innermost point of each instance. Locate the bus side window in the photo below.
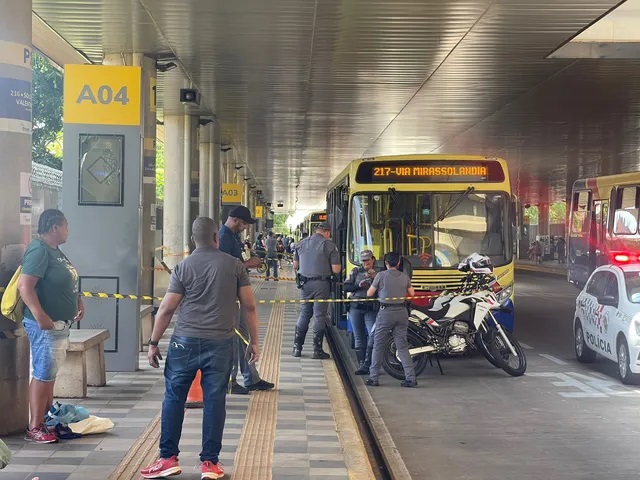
(626, 211)
(580, 216)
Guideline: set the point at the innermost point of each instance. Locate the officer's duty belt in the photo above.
(308, 279)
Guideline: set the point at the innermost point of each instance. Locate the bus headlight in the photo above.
(505, 294)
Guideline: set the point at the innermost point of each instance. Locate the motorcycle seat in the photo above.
(434, 314)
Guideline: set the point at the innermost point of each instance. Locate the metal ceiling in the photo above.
(302, 87)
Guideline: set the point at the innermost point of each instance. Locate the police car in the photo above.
(607, 319)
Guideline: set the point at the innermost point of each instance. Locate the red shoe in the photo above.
(40, 434)
(164, 467)
(211, 470)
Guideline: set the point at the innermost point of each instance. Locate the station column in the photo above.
(194, 204)
(173, 223)
(15, 216)
(205, 166)
(210, 171)
(103, 157)
(148, 119)
(215, 174)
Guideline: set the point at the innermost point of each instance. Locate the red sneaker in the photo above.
(211, 470)
(40, 434)
(164, 467)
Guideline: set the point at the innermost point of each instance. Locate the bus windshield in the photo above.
(433, 230)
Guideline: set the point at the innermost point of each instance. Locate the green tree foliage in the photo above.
(47, 112)
(159, 172)
(557, 213)
(280, 223)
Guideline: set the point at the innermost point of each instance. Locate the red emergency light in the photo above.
(624, 257)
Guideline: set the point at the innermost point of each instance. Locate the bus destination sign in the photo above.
(430, 171)
(318, 217)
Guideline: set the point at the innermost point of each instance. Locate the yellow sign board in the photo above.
(231, 193)
(258, 211)
(102, 94)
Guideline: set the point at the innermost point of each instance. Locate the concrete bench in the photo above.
(84, 364)
(146, 325)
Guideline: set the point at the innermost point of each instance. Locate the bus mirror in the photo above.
(515, 213)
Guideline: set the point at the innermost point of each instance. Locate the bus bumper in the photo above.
(506, 319)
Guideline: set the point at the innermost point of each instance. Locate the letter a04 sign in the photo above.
(102, 95)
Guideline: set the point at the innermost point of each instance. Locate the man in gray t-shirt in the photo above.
(392, 286)
(211, 277)
(206, 286)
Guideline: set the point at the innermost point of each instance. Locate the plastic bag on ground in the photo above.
(65, 414)
(92, 425)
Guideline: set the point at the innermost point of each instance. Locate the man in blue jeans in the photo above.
(206, 285)
(229, 239)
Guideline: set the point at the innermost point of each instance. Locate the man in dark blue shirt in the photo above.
(229, 238)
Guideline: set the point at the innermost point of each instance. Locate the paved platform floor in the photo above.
(562, 420)
(549, 267)
(303, 430)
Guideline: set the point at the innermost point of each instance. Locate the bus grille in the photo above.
(436, 281)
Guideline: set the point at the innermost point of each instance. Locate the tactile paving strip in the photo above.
(145, 451)
(254, 456)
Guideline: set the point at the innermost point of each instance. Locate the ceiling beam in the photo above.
(53, 45)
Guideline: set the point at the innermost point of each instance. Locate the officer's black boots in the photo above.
(298, 342)
(361, 355)
(318, 353)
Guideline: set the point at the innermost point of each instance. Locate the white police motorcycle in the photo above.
(458, 323)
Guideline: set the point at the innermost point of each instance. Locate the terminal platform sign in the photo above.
(102, 95)
(231, 193)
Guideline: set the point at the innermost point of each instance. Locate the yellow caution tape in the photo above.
(167, 253)
(155, 269)
(263, 277)
(120, 296)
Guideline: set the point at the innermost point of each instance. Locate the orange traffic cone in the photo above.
(194, 397)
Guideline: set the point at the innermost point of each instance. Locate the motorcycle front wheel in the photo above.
(482, 339)
(513, 365)
(391, 363)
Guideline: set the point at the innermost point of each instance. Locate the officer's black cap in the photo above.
(242, 213)
(323, 226)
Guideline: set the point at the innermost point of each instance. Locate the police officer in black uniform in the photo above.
(315, 260)
(362, 314)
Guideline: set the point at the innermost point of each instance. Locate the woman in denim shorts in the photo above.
(49, 288)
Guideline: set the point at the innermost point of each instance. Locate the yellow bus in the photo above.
(310, 221)
(434, 210)
(603, 224)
